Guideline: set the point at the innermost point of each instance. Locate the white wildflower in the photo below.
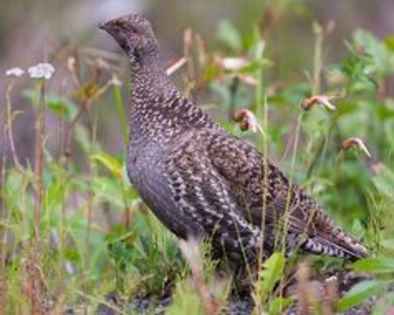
(232, 63)
(14, 72)
(116, 81)
(41, 71)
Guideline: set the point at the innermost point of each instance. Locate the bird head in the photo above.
(134, 35)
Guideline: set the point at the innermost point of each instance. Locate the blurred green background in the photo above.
(91, 226)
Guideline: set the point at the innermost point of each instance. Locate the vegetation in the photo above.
(73, 231)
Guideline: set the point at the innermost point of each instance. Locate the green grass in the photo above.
(73, 231)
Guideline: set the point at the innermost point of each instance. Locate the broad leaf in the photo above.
(374, 265)
(360, 293)
(110, 163)
(272, 272)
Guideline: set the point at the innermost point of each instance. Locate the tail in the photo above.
(336, 244)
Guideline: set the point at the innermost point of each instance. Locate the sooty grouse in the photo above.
(200, 181)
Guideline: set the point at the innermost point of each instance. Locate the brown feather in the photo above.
(202, 182)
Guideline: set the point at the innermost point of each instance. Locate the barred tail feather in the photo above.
(319, 245)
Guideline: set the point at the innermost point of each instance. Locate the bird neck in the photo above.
(149, 83)
(148, 80)
(158, 110)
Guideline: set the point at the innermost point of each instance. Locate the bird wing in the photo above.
(269, 200)
(200, 194)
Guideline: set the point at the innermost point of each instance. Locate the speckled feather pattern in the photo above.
(202, 182)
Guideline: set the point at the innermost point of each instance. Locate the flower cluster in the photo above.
(41, 70)
(14, 72)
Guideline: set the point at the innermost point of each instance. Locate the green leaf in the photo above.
(375, 265)
(110, 163)
(61, 106)
(384, 181)
(389, 42)
(185, 301)
(253, 66)
(360, 293)
(120, 112)
(272, 272)
(82, 138)
(58, 105)
(229, 35)
(54, 195)
(277, 305)
(375, 50)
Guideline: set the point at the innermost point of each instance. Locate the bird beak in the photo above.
(118, 34)
(109, 28)
(102, 26)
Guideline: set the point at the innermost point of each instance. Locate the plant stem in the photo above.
(317, 68)
(286, 215)
(233, 93)
(39, 193)
(70, 129)
(120, 112)
(261, 113)
(317, 59)
(39, 159)
(9, 126)
(83, 107)
(4, 240)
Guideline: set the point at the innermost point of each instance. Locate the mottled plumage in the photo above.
(200, 181)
